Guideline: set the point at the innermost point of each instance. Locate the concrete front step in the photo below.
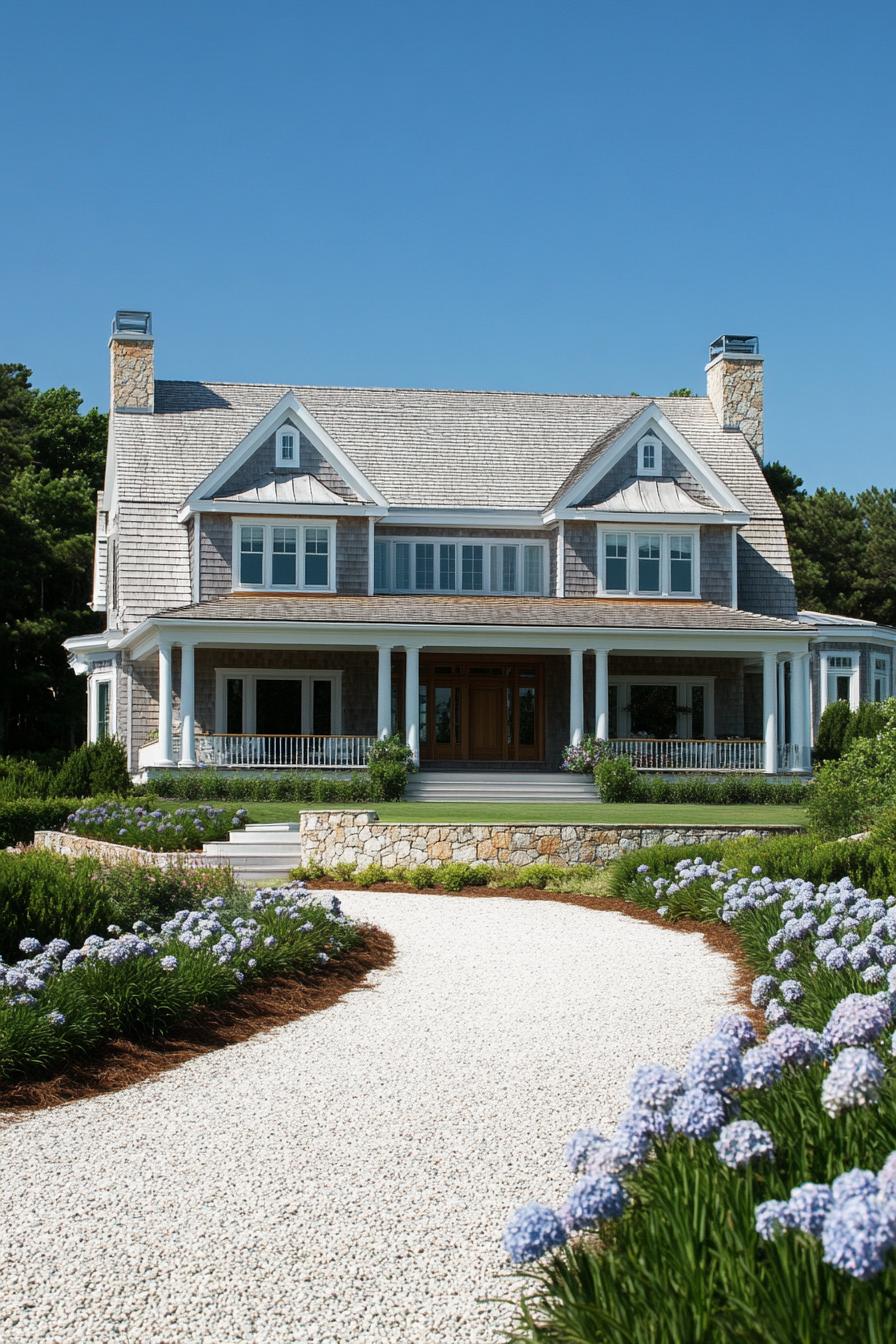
(475, 786)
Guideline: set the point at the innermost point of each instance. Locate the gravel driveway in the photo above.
(345, 1178)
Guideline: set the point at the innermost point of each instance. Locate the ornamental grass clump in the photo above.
(59, 1002)
(760, 1199)
(185, 828)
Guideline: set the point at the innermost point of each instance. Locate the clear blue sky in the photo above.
(559, 197)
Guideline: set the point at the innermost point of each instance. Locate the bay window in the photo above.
(297, 557)
(445, 566)
(881, 681)
(648, 564)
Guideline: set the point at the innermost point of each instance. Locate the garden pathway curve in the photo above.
(345, 1178)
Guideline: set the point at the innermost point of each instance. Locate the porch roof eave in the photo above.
(780, 636)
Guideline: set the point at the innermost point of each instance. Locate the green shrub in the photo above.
(45, 895)
(94, 769)
(299, 787)
(617, 780)
(832, 728)
(867, 721)
(849, 794)
(388, 766)
(19, 819)
(24, 779)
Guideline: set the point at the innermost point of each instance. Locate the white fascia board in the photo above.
(271, 510)
(653, 417)
(846, 634)
(92, 643)
(491, 518)
(711, 517)
(287, 407)
(305, 634)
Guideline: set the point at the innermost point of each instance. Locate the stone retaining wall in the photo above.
(85, 847)
(361, 838)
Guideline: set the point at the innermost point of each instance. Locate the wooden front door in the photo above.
(481, 709)
(486, 723)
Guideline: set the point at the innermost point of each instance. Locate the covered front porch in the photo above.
(200, 698)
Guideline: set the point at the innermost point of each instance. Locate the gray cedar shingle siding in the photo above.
(261, 465)
(580, 545)
(351, 555)
(216, 556)
(764, 577)
(715, 565)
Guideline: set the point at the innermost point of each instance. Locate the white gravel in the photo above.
(346, 1177)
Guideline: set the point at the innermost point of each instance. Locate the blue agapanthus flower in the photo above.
(655, 1087)
(773, 1216)
(739, 1028)
(761, 1068)
(580, 1146)
(776, 1013)
(56, 1018)
(531, 1232)
(854, 1080)
(742, 1142)
(30, 946)
(809, 1205)
(698, 1113)
(855, 1238)
(791, 991)
(858, 1183)
(764, 987)
(593, 1199)
(796, 1047)
(858, 1019)
(714, 1064)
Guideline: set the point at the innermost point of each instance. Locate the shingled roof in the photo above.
(544, 612)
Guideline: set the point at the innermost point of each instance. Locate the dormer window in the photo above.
(287, 446)
(650, 455)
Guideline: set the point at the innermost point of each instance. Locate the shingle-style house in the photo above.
(289, 572)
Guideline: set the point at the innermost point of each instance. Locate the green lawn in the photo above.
(611, 814)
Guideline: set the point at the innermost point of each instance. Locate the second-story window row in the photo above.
(425, 566)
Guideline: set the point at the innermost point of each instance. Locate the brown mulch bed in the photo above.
(271, 1004)
(719, 937)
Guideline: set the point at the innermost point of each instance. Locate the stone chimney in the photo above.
(132, 377)
(734, 386)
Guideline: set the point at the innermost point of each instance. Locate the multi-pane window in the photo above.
(649, 564)
(459, 566)
(649, 460)
(287, 447)
(842, 669)
(681, 564)
(283, 559)
(471, 569)
(881, 682)
(317, 557)
(273, 556)
(616, 553)
(252, 555)
(424, 566)
(656, 564)
(103, 709)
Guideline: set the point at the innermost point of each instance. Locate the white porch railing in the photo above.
(672, 753)
(283, 751)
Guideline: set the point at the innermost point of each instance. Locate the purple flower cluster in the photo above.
(854, 1218)
(742, 1142)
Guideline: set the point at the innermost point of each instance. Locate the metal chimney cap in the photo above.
(733, 345)
(132, 322)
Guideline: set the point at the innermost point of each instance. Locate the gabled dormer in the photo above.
(287, 461)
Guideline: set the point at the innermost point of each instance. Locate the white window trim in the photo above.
(267, 584)
(852, 672)
(633, 534)
(486, 543)
(250, 677)
(657, 444)
(289, 462)
(683, 687)
(105, 674)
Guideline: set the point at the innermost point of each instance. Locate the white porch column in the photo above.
(187, 705)
(576, 698)
(165, 704)
(782, 716)
(769, 711)
(799, 701)
(412, 700)
(601, 694)
(384, 690)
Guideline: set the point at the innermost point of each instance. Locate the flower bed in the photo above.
(60, 1002)
(185, 828)
(753, 1196)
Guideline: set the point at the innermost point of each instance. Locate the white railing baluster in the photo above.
(742, 754)
(281, 751)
